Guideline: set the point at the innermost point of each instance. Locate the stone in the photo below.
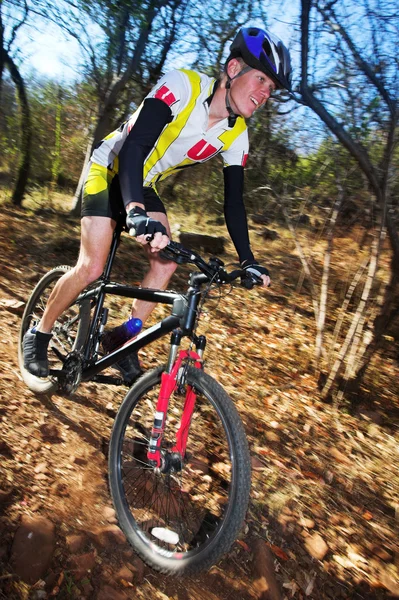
(50, 432)
(83, 564)
(104, 536)
(138, 567)
(269, 234)
(87, 588)
(260, 219)
(206, 243)
(124, 574)
(110, 514)
(76, 542)
(33, 548)
(265, 582)
(302, 219)
(316, 546)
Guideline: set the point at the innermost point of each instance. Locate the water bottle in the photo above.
(121, 334)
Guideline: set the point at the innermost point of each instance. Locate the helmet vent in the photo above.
(267, 48)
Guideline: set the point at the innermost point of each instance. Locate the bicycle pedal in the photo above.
(108, 379)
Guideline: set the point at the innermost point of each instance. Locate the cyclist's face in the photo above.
(250, 92)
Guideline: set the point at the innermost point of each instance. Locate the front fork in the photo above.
(171, 379)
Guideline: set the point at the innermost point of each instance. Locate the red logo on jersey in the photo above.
(202, 150)
(165, 95)
(244, 160)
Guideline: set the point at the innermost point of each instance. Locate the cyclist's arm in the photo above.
(234, 211)
(153, 117)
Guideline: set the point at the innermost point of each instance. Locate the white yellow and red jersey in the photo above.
(185, 140)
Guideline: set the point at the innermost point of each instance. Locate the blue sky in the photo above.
(48, 52)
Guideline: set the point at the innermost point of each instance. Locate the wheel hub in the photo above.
(172, 462)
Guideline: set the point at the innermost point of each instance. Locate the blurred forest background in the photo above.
(323, 162)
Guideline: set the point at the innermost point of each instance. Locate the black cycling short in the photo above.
(102, 195)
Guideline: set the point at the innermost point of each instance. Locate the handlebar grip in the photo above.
(248, 283)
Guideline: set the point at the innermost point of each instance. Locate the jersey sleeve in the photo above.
(237, 153)
(173, 89)
(234, 211)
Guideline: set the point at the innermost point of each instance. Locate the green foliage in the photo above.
(61, 125)
(9, 130)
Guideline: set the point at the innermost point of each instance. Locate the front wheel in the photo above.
(69, 331)
(183, 520)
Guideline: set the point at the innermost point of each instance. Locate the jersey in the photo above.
(185, 140)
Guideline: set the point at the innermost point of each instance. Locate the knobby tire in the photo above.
(69, 332)
(203, 505)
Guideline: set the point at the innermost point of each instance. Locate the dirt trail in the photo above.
(322, 481)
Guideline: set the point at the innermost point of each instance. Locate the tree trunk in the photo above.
(377, 177)
(105, 121)
(320, 322)
(26, 131)
(2, 52)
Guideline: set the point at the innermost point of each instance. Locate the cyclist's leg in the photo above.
(160, 270)
(98, 224)
(158, 275)
(97, 227)
(96, 237)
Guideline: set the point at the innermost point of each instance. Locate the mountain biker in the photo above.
(187, 118)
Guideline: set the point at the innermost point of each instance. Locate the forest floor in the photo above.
(323, 476)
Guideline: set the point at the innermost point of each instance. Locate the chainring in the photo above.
(69, 381)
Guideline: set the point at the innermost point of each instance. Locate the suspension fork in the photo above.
(169, 383)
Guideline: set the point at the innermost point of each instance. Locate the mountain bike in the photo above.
(179, 465)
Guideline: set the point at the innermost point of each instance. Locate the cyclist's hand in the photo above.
(146, 230)
(251, 266)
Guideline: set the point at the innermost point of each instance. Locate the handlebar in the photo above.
(213, 269)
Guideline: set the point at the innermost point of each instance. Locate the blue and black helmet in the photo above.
(265, 52)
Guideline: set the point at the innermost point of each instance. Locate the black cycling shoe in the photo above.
(35, 345)
(129, 367)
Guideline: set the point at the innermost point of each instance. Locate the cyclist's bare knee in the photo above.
(88, 271)
(159, 265)
(96, 237)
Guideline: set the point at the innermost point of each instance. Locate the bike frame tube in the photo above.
(143, 339)
(168, 386)
(150, 335)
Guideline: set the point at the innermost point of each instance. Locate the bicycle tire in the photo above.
(69, 332)
(213, 522)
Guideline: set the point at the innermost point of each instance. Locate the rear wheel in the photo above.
(69, 331)
(180, 521)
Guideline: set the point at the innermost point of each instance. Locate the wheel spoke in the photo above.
(175, 510)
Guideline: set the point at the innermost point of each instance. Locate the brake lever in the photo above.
(175, 252)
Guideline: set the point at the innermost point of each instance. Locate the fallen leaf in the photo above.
(310, 475)
(278, 552)
(244, 545)
(367, 515)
